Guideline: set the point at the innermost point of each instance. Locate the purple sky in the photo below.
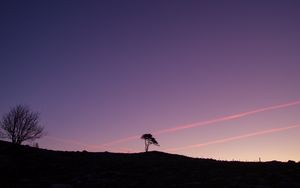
(100, 71)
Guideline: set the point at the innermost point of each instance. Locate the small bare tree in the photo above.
(20, 124)
(149, 139)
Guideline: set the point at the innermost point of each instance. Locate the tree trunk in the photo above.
(146, 145)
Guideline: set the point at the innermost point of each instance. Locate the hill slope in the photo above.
(23, 166)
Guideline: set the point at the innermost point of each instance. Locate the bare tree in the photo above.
(20, 124)
(149, 139)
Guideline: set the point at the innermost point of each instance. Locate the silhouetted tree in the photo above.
(20, 124)
(149, 139)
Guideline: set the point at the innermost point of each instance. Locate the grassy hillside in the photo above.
(23, 166)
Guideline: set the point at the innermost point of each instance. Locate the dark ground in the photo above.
(23, 166)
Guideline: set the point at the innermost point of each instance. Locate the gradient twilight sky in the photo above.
(101, 71)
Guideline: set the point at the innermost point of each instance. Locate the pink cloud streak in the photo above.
(92, 147)
(207, 122)
(263, 132)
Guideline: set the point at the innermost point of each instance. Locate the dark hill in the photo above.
(23, 166)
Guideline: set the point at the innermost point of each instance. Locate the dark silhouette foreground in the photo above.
(29, 167)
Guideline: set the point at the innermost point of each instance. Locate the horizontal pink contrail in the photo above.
(208, 122)
(122, 140)
(88, 146)
(226, 118)
(263, 132)
(68, 141)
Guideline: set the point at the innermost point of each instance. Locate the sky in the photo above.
(209, 79)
